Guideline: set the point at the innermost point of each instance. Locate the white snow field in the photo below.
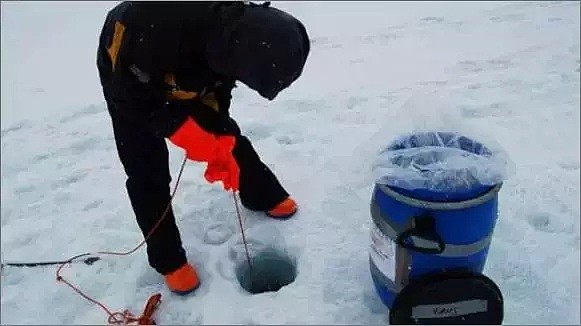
(509, 71)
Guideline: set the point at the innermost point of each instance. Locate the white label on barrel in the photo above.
(383, 252)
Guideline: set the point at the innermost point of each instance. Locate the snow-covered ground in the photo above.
(508, 70)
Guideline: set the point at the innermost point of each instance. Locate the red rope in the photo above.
(126, 317)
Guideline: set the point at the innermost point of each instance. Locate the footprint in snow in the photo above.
(92, 205)
(498, 64)
(430, 19)
(65, 165)
(40, 157)
(37, 90)
(539, 221)
(381, 39)
(92, 109)
(68, 180)
(470, 66)
(354, 101)
(321, 40)
(85, 144)
(485, 65)
(294, 137)
(475, 86)
(437, 83)
(217, 234)
(546, 222)
(304, 105)
(22, 241)
(324, 42)
(24, 189)
(258, 131)
(570, 166)
(15, 127)
(226, 269)
(496, 109)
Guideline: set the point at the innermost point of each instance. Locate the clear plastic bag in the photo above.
(441, 161)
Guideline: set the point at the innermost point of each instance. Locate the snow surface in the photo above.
(507, 70)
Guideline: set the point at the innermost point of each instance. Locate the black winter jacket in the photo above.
(149, 49)
(151, 53)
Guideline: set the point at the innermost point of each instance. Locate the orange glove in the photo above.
(224, 168)
(203, 146)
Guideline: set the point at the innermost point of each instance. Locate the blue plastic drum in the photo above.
(421, 231)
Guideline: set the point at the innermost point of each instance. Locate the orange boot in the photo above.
(183, 280)
(284, 210)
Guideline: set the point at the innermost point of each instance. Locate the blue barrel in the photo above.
(422, 231)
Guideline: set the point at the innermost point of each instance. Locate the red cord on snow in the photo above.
(126, 317)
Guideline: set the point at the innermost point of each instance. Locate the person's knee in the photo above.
(146, 167)
(244, 151)
(151, 183)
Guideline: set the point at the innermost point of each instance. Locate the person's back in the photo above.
(167, 71)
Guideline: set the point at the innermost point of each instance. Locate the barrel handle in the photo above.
(424, 228)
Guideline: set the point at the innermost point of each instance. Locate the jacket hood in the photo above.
(263, 47)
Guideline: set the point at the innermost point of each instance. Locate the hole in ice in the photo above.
(270, 270)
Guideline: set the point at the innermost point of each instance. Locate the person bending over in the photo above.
(167, 70)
